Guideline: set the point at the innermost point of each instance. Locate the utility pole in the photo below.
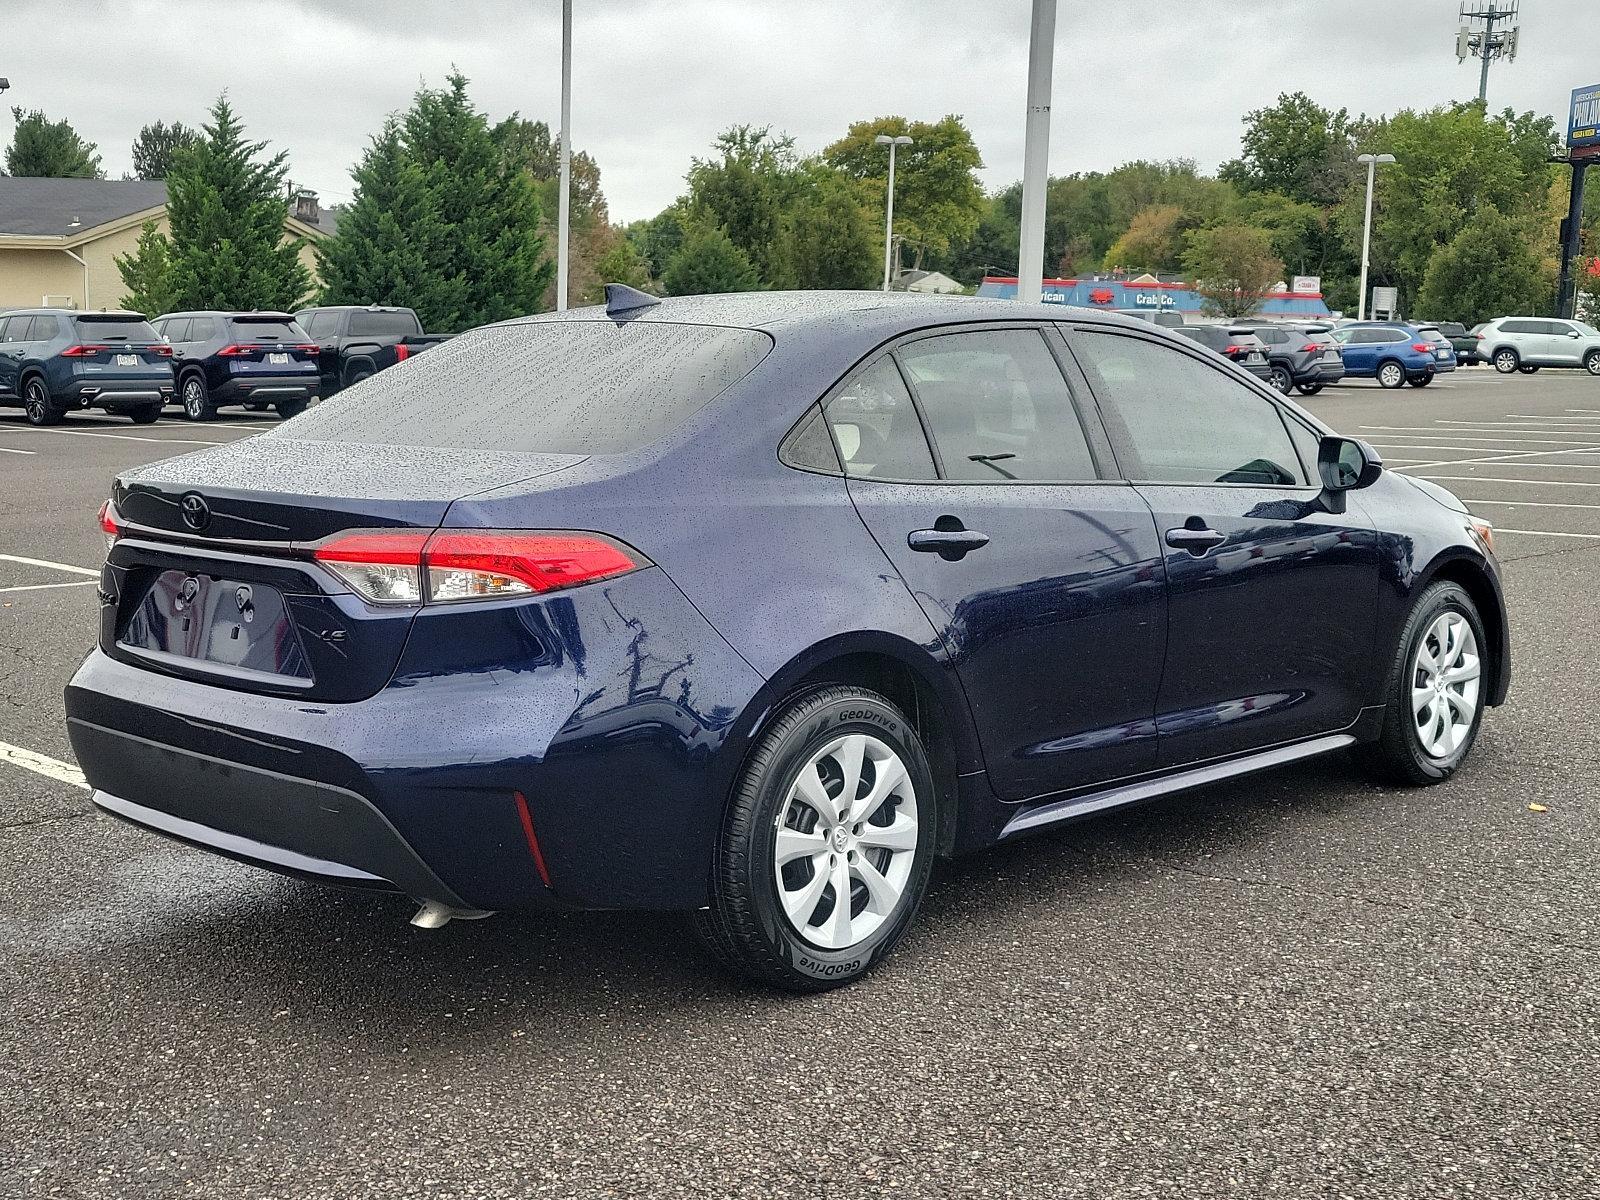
(1036, 152)
(564, 205)
(1487, 42)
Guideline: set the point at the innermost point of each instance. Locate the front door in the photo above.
(13, 341)
(1272, 602)
(1043, 578)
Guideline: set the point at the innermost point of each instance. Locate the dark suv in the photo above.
(1301, 356)
(53, 360)
(1237, 344)
(254, 359)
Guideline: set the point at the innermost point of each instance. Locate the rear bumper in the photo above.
(271, 388)
(118, 393)
(415, 789)
(1320, 371)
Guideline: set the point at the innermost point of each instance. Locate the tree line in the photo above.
(452, 213)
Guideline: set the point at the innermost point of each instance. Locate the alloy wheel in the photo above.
(37, 404)
(194, 399)
(1592, 362)
(846, 841)
(1505, 362)
(1282, 380)
(1444, 684)
(1391, 375)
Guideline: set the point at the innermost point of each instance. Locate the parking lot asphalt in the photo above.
(1296, 984)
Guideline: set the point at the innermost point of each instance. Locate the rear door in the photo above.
(1039, 569)
(1562, 343)
(1272, 603)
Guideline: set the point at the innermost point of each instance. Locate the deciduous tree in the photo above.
(709, 262)
(1487, 270)
(1231, 266)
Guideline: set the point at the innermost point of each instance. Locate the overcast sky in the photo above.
(655, 80)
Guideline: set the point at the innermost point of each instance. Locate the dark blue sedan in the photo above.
(754, 605)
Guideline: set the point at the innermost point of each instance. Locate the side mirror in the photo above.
(1343, 465)
(1572, 333)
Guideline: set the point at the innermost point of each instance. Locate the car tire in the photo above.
(1281, 379)
(774, 916)
(1414, 747)
(1391, 374)
(358, 376)
(1308, 389)
(290, 408)
(1506, 360)
(196, 398)
(1421, 380)
(1529, 370)
(37, 406)
(1591, 362)
(145, 414)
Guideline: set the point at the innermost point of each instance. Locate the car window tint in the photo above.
(1558, 328)
(322, 325)
(876, 429)
(552, 387)
(1519, 327)
(44, 328)
(18, 329)
(249, 329)
(1183, 421)
(998, 407)
(177, 329)
(114, 328)
(1307, 441)
(382, 324)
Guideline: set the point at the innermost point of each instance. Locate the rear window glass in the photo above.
(114, 329)
(265, 331)
(382, 324)
(555, 387)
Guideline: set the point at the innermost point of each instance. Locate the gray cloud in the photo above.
(655, 80)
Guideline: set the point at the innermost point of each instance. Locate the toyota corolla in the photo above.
(752, 606)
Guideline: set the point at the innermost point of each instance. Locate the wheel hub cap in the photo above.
(846, 839)
(1445, 678)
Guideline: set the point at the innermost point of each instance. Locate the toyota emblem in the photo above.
(196, 512)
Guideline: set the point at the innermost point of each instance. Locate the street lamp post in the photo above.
(564, 204)
(1372, 161)
(883, 139)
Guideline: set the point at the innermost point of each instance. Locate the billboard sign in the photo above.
(1307, 285)
(1583, 121)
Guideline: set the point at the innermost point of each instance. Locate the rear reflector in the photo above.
(417, 567)
(401, 352)
(108, 525)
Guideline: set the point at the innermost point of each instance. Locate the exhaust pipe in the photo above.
(433, 915)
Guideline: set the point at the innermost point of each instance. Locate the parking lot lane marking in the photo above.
(45, 562)
(45, 587)
(1527, 503)
(1493, 479)
(121, 437)
(9, 450)
(1434, 433)
(1499, 529)
(1504, 459)
(42, 764)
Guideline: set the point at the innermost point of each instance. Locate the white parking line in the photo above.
(1499, 529)
(42, 764)
(1531, 423)
(1434, 433)
(1527, 503)
(121, 437)
(1417, 446)
(45, 562)
(45, 587)
(9, 450)
(1493, 479)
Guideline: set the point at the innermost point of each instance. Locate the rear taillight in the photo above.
(109, 526)
(1233, 349)
(1422, 347)
(401, 352)
(416, 567)
(1312, 346)
(83, 351)
(236, 350)
(1479, 336)
(309, 348)
(162, 349)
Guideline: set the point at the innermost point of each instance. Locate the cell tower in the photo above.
(1486, 31)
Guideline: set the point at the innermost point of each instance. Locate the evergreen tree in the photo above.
(708, 262)
(831, 242)
(43, 148)
(623, 264)
(227, 210)
(156, 147)
(147, 273)
(444, 217)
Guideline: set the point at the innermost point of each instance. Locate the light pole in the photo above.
(1372, 161)
(564, 207)
(1036, 152)
(883, 139)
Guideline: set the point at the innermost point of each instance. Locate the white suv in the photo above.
(1528, 343)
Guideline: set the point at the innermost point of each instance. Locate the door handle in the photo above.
(1195, 541)
(948, 544)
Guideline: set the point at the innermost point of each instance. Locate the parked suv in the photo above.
(1394, 353)
(53, 360)
(1301, 356)
(355, 342)
(1528, 343)
(1237, 344)
(1463, 340)
(254, 358)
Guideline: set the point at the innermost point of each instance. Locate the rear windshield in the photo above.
(258, 330)
(555, 387)
(382, 324)
(109, 328)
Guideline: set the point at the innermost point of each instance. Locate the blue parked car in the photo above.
(55, 360)
(1394, 353)
(251, 358)
(754, 605)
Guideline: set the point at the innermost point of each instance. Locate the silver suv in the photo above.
(1528, 343)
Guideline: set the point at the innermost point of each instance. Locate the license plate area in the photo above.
(278, 360)
(1255, 360)
(217, 625)
(127, 360)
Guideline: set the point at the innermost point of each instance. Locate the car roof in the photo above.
(796, 312)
